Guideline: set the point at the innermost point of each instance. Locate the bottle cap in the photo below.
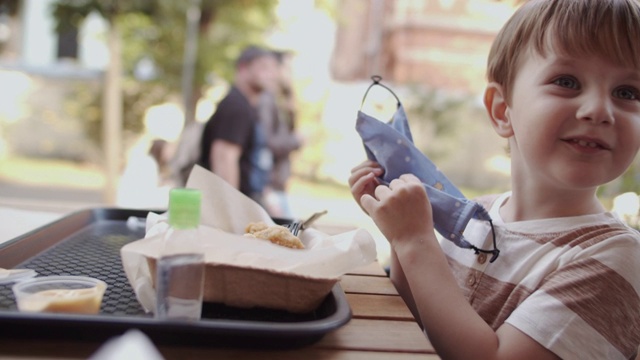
(184, 208)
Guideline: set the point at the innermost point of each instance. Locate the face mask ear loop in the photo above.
(376, 81)
(495, 252)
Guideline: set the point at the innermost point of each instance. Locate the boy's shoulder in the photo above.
(603, 220)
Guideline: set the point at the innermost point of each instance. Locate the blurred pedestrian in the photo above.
(143, 183)
(158, 151)
(186, 153)
(234, 142)
(276, 110)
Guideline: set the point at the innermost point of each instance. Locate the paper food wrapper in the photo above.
(246, 272)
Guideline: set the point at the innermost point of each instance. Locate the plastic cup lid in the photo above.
(14, 275)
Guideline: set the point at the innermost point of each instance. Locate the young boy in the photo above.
(564, 90)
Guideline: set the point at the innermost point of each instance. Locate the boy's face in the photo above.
(572, 122)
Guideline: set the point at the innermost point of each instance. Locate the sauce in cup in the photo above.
(60, 294)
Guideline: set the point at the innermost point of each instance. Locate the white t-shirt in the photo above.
(572, 284)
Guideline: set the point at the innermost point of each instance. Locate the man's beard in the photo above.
(256, 87)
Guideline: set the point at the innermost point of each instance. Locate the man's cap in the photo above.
(251, 53)
(281, 54)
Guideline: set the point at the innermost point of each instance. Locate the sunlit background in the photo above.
(66, 71)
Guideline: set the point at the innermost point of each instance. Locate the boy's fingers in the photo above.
(371, 163)
(409, 178)
(396, 183)
(362, 171)
(367, 201)
(360, 185)
(366, 165)
(381, 192)
(359, 182)
(365, 174)
(356, 176)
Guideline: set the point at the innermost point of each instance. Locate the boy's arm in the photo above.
(452, 325)
(403, 213)
(399, 280)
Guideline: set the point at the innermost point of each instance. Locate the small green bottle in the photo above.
(180, 268)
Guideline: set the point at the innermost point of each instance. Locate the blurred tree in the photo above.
(436, 116)
(628, 182)
(631, 178)
(154, 31)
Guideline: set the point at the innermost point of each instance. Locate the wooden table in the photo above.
(382, 327)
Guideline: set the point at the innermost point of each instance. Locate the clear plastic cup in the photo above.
(60, 294)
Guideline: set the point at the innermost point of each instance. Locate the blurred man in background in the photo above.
(234, 142)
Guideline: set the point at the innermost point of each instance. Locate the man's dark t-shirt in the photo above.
(236, 121)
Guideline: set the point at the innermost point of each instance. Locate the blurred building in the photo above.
(40, 69)
(29, 40)
(440, 43)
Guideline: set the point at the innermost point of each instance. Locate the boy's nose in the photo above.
(596, 109)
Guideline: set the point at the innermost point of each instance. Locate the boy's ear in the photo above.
(498, 109)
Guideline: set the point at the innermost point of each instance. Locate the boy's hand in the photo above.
(401, 210)
(363, 180)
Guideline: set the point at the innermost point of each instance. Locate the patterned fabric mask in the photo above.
(391, 145)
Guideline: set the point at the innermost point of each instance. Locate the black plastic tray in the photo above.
(88, 243)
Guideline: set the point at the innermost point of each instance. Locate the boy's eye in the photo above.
(627, 93)
(567, 82)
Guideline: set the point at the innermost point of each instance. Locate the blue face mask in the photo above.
(391, 145)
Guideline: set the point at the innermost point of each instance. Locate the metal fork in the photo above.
(298, 225)
(294, 227)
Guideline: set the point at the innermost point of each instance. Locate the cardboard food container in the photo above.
(245, 287)
(247, 272)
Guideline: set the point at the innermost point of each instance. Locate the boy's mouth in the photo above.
(588, 143)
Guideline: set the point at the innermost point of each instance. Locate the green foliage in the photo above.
(86, 103)
(156, 30)
(308, 163)
(328, 6)
(631, 179)
(72, 12)
(236, 25)
(437, 119)
(628, 182)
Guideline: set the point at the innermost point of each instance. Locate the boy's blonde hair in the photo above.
(609, 29)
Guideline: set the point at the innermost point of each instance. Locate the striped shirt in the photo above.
(572, 284)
